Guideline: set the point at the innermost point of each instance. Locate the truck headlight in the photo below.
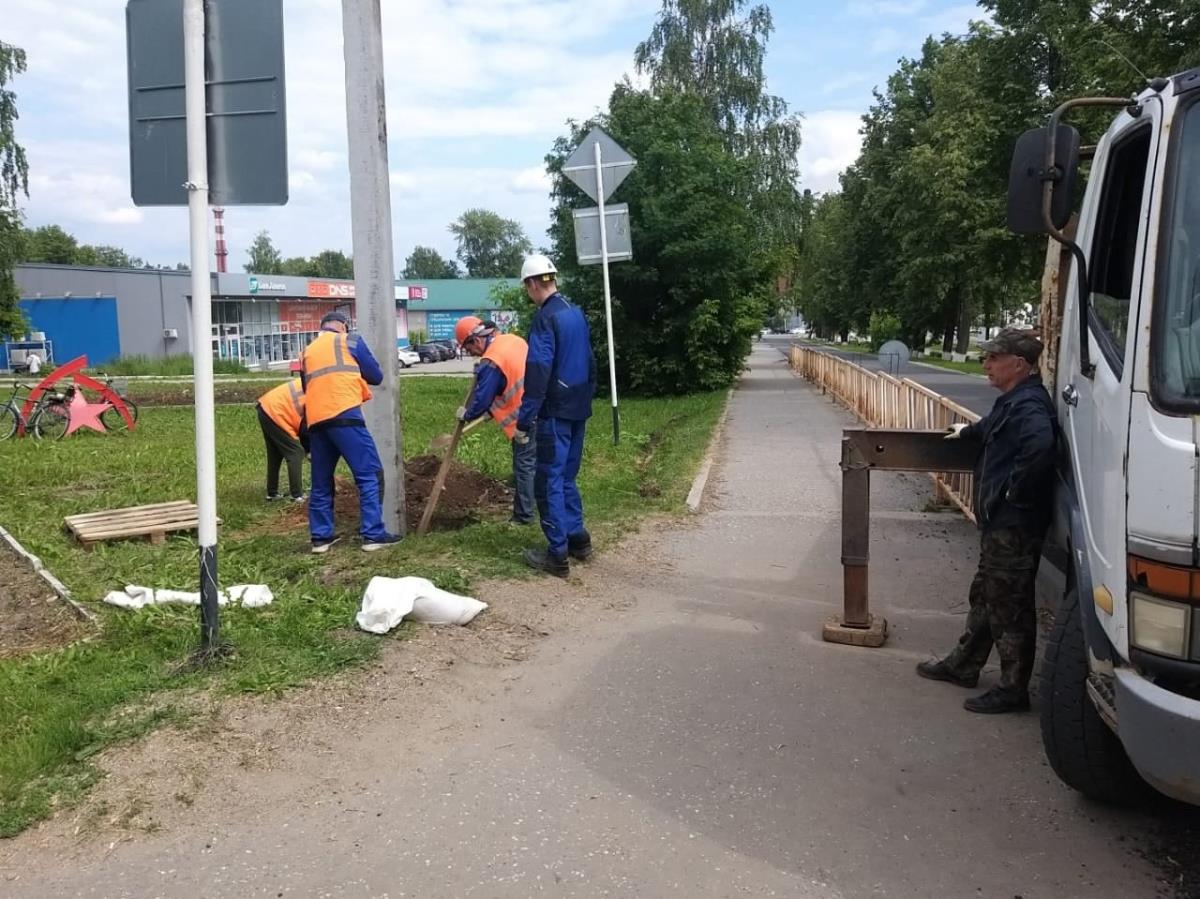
(1159, 625)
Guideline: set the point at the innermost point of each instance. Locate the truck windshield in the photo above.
(1175, 356)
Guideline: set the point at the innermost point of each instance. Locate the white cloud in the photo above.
(830, 143)
(533, 180)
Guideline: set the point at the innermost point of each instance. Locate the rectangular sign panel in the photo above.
(587, 234)
(247, 130)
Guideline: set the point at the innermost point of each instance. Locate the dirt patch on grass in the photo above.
(32, 617)
(469, 496)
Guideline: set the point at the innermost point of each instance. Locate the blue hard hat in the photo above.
(335, 316)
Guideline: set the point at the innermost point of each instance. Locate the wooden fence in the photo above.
(883, 401)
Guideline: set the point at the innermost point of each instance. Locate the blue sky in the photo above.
(472, 108)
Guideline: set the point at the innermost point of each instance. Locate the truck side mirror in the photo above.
(1031, 173)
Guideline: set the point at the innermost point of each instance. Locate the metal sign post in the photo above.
(197, 190)
(591, 179)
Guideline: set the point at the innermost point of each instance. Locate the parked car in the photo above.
(407, 357)
(450, 346)
(429, 352)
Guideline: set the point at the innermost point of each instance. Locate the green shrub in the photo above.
(884, 326)
(168, 365)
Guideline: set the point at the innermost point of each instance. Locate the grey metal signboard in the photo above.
(587, 234)
(615, 163)
(247, 129)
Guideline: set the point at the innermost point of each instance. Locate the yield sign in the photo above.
(615, 163)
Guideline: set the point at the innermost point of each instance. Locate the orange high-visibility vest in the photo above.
(284, 405)
(507, 352)
(332, 381)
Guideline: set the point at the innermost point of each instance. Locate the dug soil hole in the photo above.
(468, 496)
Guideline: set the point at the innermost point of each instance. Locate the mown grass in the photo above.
(58, 709)
(973, 368)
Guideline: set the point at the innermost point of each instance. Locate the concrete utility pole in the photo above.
(197, 187)
(371, 216)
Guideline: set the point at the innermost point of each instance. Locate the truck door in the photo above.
(1098, 407)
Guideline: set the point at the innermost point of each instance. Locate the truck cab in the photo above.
(1120, 695)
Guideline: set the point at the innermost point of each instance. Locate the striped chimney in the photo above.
(219, 217)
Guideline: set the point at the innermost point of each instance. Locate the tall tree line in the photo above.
(915, 234)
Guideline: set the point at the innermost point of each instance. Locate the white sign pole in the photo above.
(612, 357)
(202, 360)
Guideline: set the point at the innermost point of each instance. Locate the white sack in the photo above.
(387, 601)
(135, 597)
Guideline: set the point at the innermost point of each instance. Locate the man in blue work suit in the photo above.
(560, 381)
(336, 369)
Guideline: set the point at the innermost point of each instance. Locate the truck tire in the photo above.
(1083, 751)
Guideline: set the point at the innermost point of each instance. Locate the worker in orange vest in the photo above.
(499, 388)
(336, 369)
(280, 412)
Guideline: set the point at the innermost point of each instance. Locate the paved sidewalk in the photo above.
(703, 742)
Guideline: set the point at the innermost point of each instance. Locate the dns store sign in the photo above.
(331, 291)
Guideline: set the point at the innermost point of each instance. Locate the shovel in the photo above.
(444, 440)
(440, 481)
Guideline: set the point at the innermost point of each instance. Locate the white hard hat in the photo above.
(537, 264)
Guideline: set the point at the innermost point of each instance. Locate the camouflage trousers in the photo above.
(1002, 608)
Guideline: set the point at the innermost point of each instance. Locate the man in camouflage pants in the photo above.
(1014, 488)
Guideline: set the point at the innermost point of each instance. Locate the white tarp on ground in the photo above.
(134, 597)
(388, 600)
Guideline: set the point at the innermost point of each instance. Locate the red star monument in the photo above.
(85, 414)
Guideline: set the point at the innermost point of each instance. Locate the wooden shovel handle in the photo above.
(440, 481)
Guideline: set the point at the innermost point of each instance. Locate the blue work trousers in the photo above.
(524, 463)
(354, 444)
(559, 453)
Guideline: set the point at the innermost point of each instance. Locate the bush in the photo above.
(884, 326)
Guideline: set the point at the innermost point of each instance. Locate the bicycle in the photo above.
(52, 415)
(111, 418)
(11, 419)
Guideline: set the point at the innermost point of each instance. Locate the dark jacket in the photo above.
(560, 370)
(1014, 472)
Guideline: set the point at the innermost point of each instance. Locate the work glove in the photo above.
(955, 431)
(520, 438)
(461, 414)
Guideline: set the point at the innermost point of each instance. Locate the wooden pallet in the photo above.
(154, 521)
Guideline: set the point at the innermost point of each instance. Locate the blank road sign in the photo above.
(587, 234)
(247, 131)
(615, 163)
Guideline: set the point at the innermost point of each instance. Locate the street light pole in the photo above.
(371, 229)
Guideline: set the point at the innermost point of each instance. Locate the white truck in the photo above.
(1120, 695)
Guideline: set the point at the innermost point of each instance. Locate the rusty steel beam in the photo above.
(900, 450)
(882, 450)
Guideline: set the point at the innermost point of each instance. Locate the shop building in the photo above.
(256, 319)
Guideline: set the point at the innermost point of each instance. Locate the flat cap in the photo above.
(1017, 342)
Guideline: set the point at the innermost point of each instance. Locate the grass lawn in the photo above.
(973, 368)
(58, 709)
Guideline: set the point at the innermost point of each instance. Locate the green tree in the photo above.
(262, 257)
(709, 48)
(686, 306)
(490, 246)
(297, 266)
(14, 180)
(426, 262)
(107, 257)
(331, 264)
(50, 244)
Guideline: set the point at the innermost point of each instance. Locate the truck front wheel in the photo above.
(1081, 748)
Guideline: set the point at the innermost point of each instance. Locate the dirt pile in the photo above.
(469, 496)
(32, 617)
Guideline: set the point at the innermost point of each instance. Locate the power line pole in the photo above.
(371, 228)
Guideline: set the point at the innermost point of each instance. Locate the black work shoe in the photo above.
(322, 546)
(937, 669)
(998, 700)
(543, 561)
(579, 546)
